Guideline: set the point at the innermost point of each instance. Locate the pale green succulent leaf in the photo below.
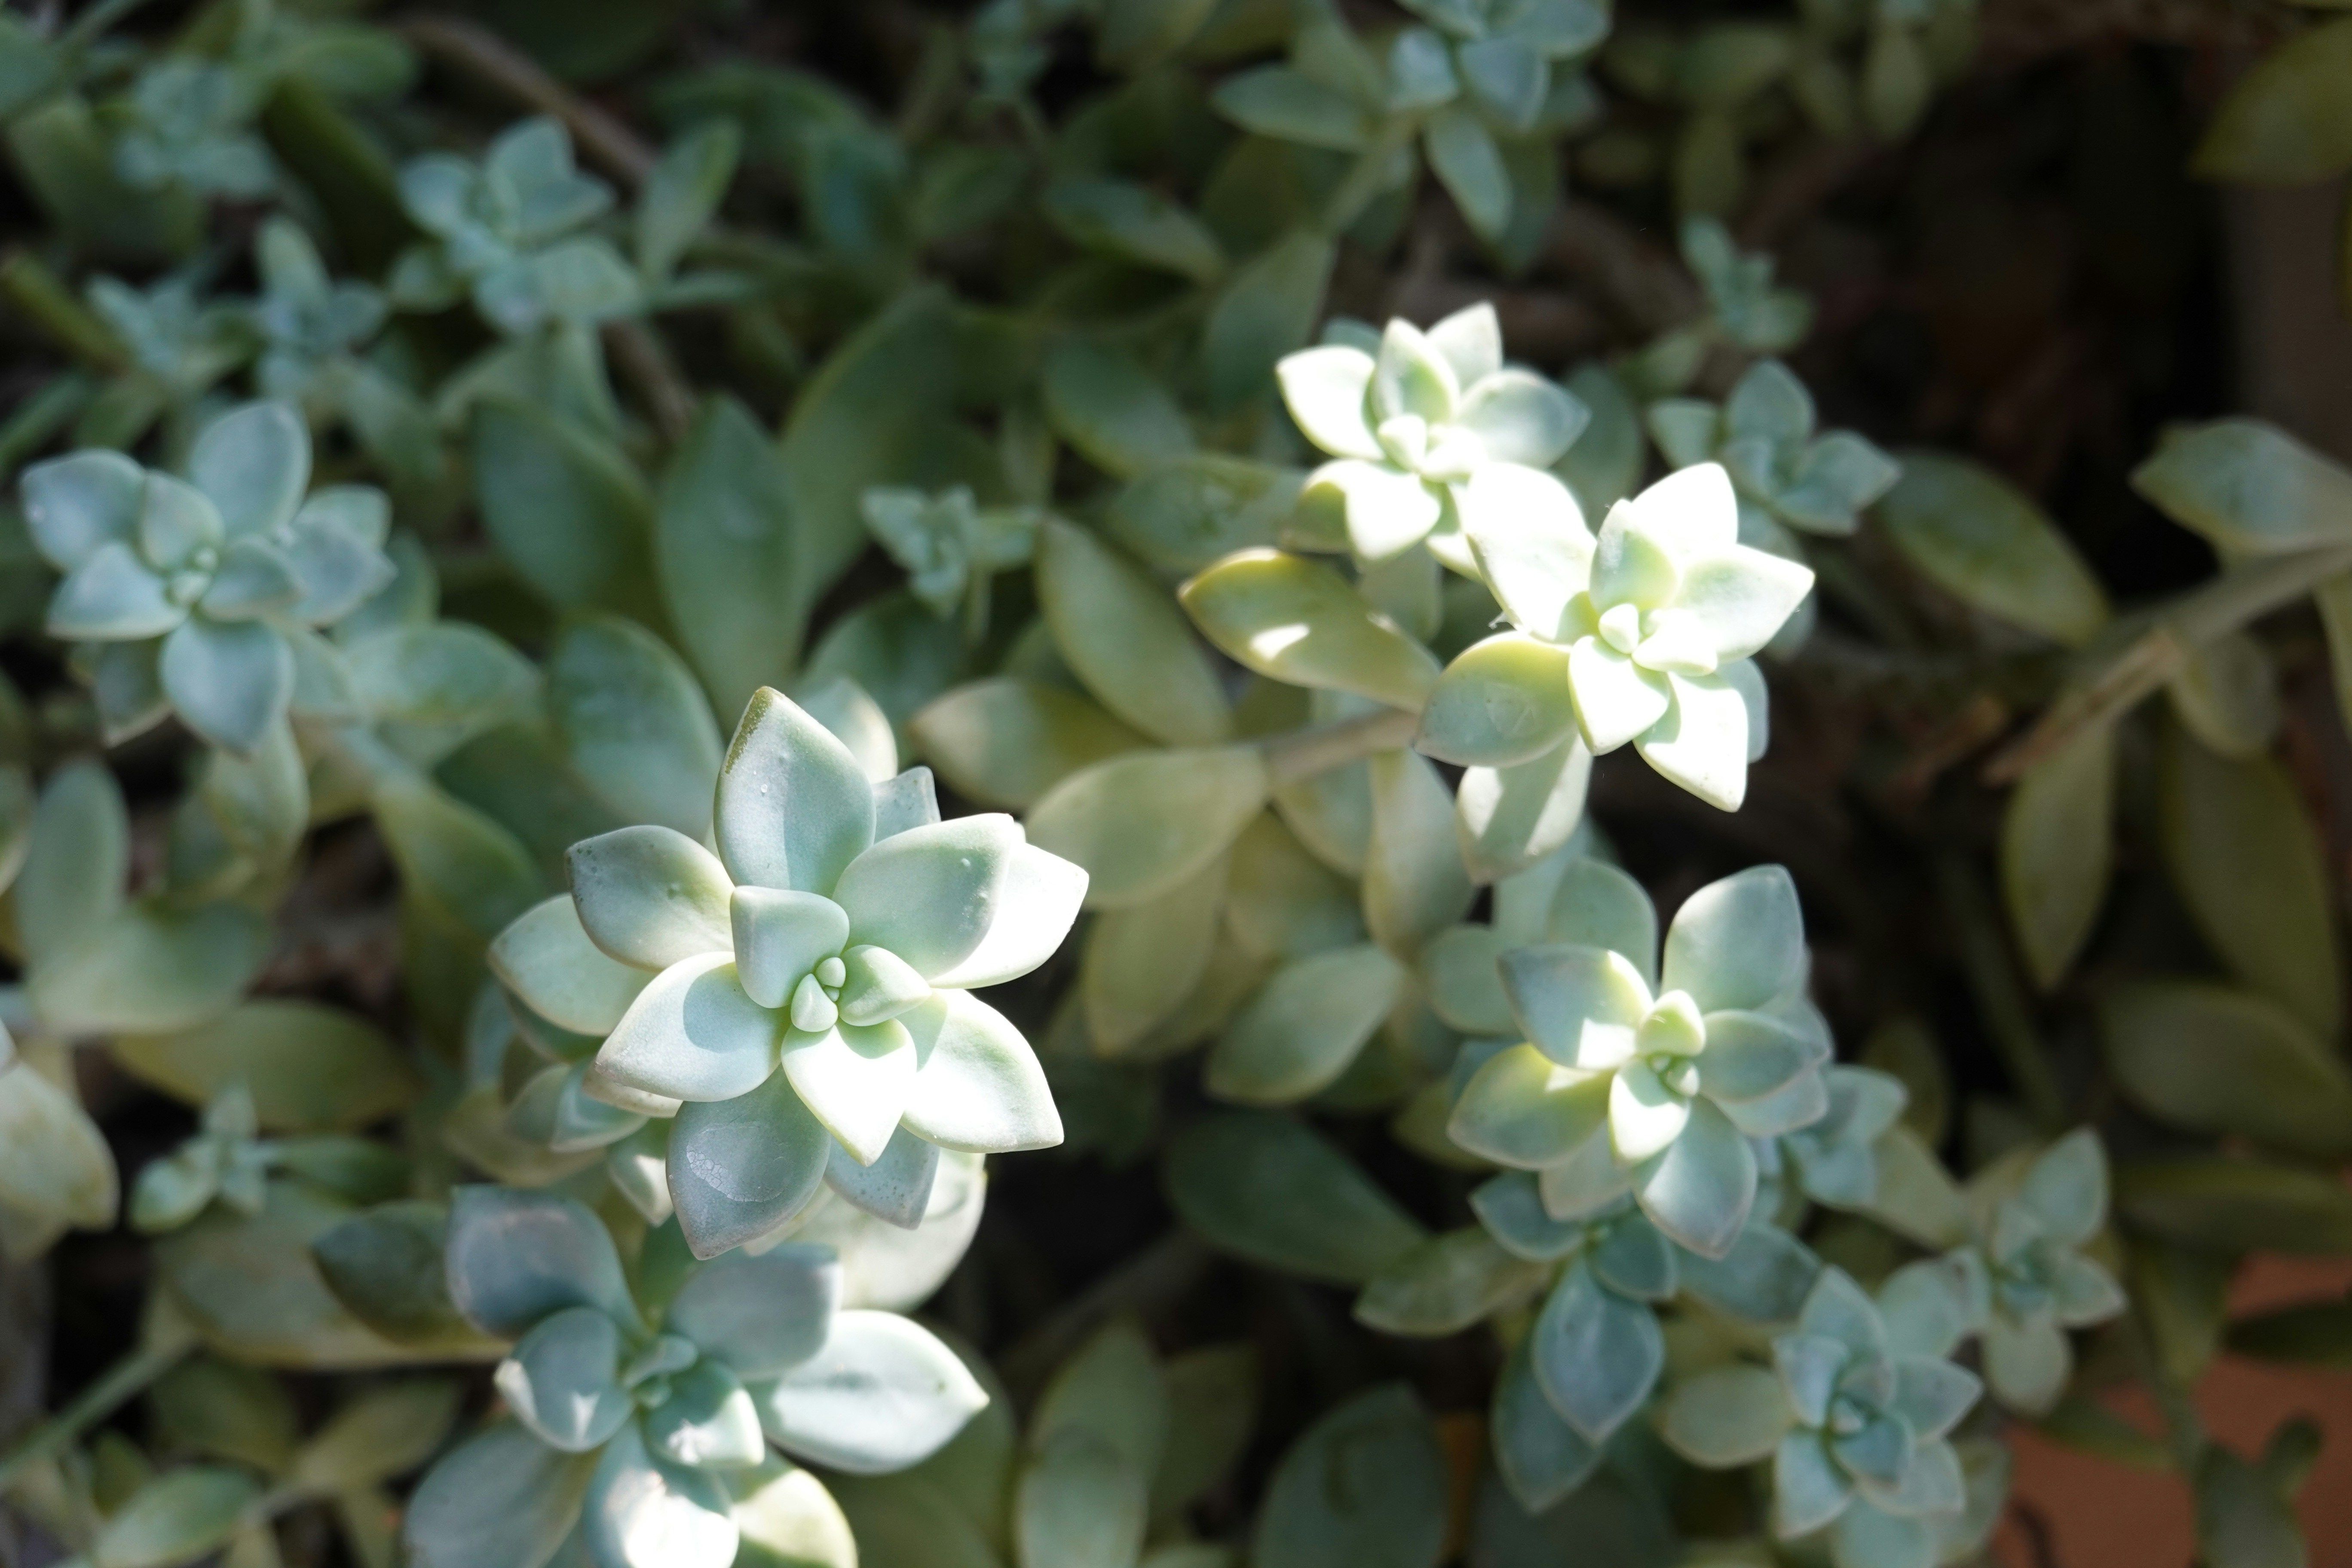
(76, 504)
(1503, 701)
(978, 1086)
(1125, 642)
(693, 1034)
(1541, 1457)
(1727, 1416)
(1447, 1284)
(794, 808)
(882, 1394)
(1738, 943)
(763, 1314)
(1809, 1490)
(563, 1380)
(1983, 542)
(1522, 1108)
(738, 1169)
(651, 897)
(1580, 1005)
(254, 464)
(1596, 1353)
(230, 681)
(931, 895)
(514, 1258)
(112, 596)
(1080, 1501)
(1327, 391)
(1299, 1033)
(1300, 622)
(1700, 1190)
(1867, 1536)
(1334, 1224)
(1394, 1518)
(709, 1421)
(2057, 851)
(643, 1512)
(896, 1187)
(1141, 825)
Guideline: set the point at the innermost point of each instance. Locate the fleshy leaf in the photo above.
(793, 806)
(881, 1394)
(650, 897)
(739, 1168)
(978, 1086)
(693, 1034)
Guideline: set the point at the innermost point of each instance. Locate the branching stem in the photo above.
(485, 56)
(2137, 667)
(1303, 753)
(165, 1348)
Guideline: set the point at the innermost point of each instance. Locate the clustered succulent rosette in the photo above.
(1649, 1078)
(640, 1418)
(1645, 633)
(1763, 435)
(309, 321)
(808, 985)
(1854, 1414)
(1412, 420)
(183, 593)
(2024, 1275)
(950, 545)
(506, 233)
(1596, 1349)
(1834, 1160)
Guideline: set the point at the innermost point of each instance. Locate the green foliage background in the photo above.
(1692, 763)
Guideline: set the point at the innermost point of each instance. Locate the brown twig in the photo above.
(482, 54)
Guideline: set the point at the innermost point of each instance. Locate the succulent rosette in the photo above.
(1652, 1078)
(508, 231)
(1597, 1349)
(1764, 436)
(1644, 634)
(1856, 1417)
(638, 1424)
(2025, 1274)
(1410, 425)
(807, 987)
(182, 593)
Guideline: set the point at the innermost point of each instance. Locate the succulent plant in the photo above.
(2025, 1273)
(1644, 633)
(950, 545)
(189, 124)
(190, 586)
(1763, 435)
(1412, 422)
(803, 994)
(631, 1419)
(506, 233)
(309, 323)
(1596, 1350)
(1855, 1423)
(1649, 1078)
(1834, 1160)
